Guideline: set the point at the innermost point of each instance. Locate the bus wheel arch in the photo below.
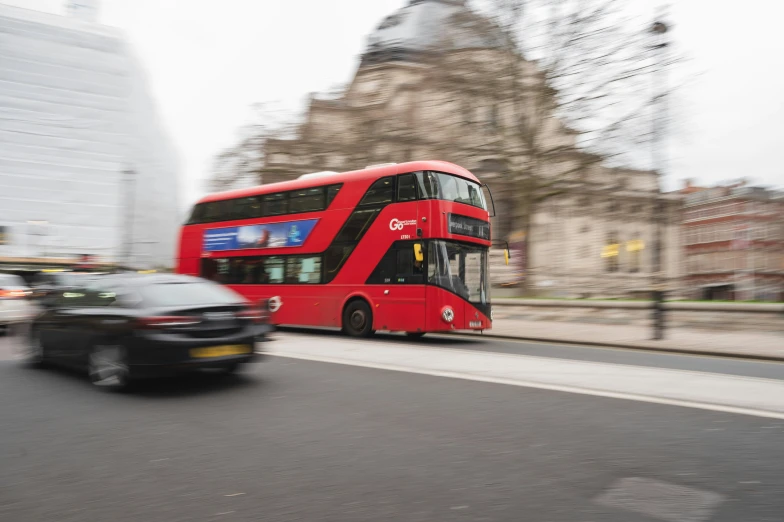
(357, 317)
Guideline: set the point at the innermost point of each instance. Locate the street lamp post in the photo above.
(130, 192)
(659, 111)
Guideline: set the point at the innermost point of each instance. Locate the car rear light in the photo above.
(254, 315)
(167, 321)
(12, 294)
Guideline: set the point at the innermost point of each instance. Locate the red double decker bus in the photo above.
(398, 247)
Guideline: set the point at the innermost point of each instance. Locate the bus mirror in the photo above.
(506, 255)
(418, 255)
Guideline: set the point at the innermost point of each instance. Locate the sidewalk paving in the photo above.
(762, 345)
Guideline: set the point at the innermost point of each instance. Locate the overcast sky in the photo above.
(208, 61)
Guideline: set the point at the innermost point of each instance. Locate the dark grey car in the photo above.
(122, 327)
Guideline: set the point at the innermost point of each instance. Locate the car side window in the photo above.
(70, 298)
(97, 297)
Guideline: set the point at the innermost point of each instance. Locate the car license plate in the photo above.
(220, 351)
(475, 324)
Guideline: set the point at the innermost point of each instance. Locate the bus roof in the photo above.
(355, 175)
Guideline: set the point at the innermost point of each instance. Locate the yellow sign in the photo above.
(611, 250)
(635, 245)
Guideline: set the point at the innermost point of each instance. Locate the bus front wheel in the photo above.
(358, 319)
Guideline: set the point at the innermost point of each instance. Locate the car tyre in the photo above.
(358, 319)
(107, 366)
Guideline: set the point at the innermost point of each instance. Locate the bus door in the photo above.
(397, 289)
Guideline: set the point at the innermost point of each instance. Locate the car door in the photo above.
(52, 324)
(65, 321)
(85, 321)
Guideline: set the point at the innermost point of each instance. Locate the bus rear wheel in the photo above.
(358, 319)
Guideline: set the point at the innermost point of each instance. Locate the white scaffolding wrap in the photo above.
(78, 131)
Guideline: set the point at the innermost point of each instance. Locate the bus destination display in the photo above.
(468, 226)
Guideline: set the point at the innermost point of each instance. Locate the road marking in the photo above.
(538, 385)
(661, 500)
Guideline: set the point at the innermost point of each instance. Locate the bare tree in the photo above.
(243, 163)
(564, 90)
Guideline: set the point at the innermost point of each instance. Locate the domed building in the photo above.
(426, 88)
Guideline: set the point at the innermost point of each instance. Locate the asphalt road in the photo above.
(298, 440)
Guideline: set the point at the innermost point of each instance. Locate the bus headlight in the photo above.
(448, 315)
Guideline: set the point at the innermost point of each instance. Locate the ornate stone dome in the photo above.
(427, 26)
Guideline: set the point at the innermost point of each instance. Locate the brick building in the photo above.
(733, 243)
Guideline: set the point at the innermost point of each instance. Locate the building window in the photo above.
(634, 247)
(611, 253)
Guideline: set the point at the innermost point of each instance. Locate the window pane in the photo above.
(303, 270)
(246, 208)
(334, 258)
(308, 200)
(186, 294)
(198, 214)
(214, 211)
(380, 192)
(356, 225)
(406, 188)
(428, 185)
(273, 269)
(332, 191)
(274, 204)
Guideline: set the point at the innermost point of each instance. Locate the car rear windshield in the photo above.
(187, 294)
(10, 280)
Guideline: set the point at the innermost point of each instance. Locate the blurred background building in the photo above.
(85, 166)
(425, 89)
(734, 242)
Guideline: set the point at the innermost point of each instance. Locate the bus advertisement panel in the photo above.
(269, 235)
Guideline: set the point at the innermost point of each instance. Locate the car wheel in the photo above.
(358, 319)
(107, 366)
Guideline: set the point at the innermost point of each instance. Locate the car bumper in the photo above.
(160, 355)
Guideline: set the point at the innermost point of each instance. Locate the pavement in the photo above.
(382, 436)
(760, 345)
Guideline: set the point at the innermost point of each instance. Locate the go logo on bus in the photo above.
(397, 224)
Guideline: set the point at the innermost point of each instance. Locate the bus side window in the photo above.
(382, 191)
(332, 192)
(274, 204)
(406, 187)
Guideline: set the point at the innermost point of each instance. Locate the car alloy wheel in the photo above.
(108, 367)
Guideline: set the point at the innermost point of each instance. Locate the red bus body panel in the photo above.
(409, 308)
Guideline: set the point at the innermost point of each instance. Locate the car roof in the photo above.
(149, 279)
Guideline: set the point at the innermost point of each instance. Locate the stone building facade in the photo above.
(594, 238)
